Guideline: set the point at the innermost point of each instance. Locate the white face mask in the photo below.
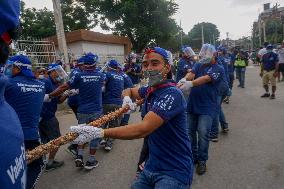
(41, 76)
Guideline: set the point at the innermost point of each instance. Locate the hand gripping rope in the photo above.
(69, 137)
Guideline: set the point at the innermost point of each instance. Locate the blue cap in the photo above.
(269, 47)
(221, 48)
(52, 66)
(88, 59)
(9, 15)
(24, 63)
(164, 53)
(113, 64)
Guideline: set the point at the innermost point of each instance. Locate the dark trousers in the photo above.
(35, 168)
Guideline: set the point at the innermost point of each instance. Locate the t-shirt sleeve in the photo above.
(195, 68)
(73, 81)
(215, 74)
(169, 105)
(142, 92)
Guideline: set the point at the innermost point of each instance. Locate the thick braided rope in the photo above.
(69, 137)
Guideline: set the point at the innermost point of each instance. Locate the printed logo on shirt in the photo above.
(15, 169)
(118, 77)
(166, 103)
(30, 87)
(89, 78)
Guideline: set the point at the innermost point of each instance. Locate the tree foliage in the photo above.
(36, 23)
(143, 21)
(211, 34)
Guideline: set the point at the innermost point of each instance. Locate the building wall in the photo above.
(105, 51)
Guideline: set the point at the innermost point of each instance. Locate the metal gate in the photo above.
(40, 52)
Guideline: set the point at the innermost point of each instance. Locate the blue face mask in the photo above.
(8, 71)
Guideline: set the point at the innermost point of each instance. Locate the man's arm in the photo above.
(61, 89)
(201, 80)
(132, 93)
(150, 123)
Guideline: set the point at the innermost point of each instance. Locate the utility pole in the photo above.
(62, 46)
(227, 39)
(180, 34)
(259, 32)
(264, 31)
(202, 33)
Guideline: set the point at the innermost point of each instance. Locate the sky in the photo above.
(233, 16)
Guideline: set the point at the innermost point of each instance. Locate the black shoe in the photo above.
(91, 165)
(265, 95)
(214, 139)
(108, 147)
(272, 96)
(201, 167)
(55, 164)
(72, 149)
(79, 161)
(239, 86)
(226, 130)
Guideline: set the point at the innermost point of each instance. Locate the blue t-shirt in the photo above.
(231, 67)
(127, 81)
(49, 108)
(269, 61)
(202, 99)
(25, 95)
(74, 100)
(113, 88)
(169, 145)
(135, 68)
(89, 83)
(13, 163)
(224, 61)
(182, 68)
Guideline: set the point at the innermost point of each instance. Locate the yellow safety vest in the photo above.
(240, 63)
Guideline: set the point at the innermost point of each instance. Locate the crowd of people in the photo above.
(180, 115)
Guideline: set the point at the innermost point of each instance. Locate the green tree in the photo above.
(211, 34)
(142, 21)
(36, 23)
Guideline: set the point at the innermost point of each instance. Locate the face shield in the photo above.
(206, 53)
(188, 52)
(61, 75)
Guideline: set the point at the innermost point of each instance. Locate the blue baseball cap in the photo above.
(269, 47)
(52, 66)
(24, 63)
(113, 64)
(88, 59)
(163, 52)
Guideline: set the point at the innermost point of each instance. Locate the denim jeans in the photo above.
(220, 117)
(199, 133)
(240, 72)
(125, 119)
(231, 82)
(148, 180)
(87, 118)
(113, 123)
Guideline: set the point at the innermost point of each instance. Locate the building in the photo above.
(106, 46)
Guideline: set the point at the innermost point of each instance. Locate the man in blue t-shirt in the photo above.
(170, 159)
(12, 150)
(49, 124)
(25, 94)
(90, 83)
(112, 96)
(127, 84)
(269, 71)
(185, 63)
(132, 69)
(204, 80)
(220, 116)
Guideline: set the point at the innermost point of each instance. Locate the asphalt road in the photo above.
(250, 156)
